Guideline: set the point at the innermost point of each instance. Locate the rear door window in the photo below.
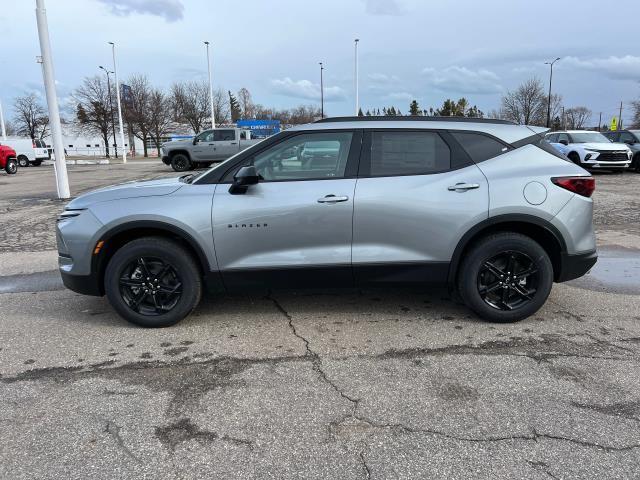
(563, 136)
(479, 147)
(408, 153)
(220, 135)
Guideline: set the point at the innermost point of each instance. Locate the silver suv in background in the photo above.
(484, 207)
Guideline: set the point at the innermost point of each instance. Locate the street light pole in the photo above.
(213, 113)
(321, 92)
(115, 74)
(4, 128)
(113, 121)
(356, 77)
(60, 166)
(549, 103)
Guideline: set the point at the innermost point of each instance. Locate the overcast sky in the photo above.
(422, 49)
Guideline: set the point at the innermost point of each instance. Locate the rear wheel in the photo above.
(505, 277)
(37, 163)
(23, 161)
(635, 164)
(153, 282)
(180, 162)
(11, 166)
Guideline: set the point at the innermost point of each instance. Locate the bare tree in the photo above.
(31, 117)
(221, 107)
(190, 104)
(159, 116)
(636, 114)
(526, 105)
(137, 109)
(577, 117)
(93, 114)
(247, 107)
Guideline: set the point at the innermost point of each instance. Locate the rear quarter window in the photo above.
(480, 147)
(542, 143)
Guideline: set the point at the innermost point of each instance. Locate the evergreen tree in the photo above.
(234, 106)
(384, 111)
(414, 109)
(360, 114)
(368, 114)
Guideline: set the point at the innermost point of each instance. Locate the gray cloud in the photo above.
(383, 7)
(617, 68)
(306, 89)
(170, 10)
(463, 80)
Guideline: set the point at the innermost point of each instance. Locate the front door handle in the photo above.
(463, 187)
(333, 199)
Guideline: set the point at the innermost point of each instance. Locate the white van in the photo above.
(29, 152)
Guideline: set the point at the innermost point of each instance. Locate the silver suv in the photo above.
(484, 207)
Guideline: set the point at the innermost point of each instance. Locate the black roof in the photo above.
(413, 118)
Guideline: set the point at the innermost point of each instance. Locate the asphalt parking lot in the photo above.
(359, 384)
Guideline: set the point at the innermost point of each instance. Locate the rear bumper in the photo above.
(575, 266)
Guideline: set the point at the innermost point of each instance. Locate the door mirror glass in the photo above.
(243, 178)
(563, 142)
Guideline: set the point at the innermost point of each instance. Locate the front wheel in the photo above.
(153, 282)
(23, 161)
(505, 277)
(180, 162)
(11, 166)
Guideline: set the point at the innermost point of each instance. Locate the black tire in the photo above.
(37, 163)
(177, 289)
(480, 287)
(635, 163)
(180, 162)
(23, 161)
(11, 167)
(575, 158)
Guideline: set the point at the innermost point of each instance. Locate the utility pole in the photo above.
(4, 128)
(620, 118)
(564, 120)
(115, 74)
(550, 80)
(113, 121)
(356, 77)
(213, 114)
(60, 166)
(321, 92)
(600, 122)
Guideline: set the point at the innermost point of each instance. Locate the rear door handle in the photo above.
(333, 199)
(463, 187)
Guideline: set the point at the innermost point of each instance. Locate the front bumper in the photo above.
(575, 266)
(166, 160)
(83, 284)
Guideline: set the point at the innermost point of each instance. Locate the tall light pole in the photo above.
(356, 77)
(113, 121)
(550, 80)
(115, 74)
(2, 125)
(60, 166)
(213, 113)
(321, 92)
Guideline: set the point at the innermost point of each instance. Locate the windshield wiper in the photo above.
(188, 178)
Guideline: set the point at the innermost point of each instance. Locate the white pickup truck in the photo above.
(210, 146)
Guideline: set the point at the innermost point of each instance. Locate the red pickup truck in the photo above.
(8, 159)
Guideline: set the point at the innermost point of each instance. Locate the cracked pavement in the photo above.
(354, 385)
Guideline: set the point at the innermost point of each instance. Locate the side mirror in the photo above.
(563, 142)
(246, 176)
(195, 140)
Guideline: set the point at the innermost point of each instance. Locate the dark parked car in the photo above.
(632, 139)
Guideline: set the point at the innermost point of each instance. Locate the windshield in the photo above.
(589, 137)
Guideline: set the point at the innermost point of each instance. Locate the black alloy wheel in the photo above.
(505, 277)
(150, 286)
(180, 162)
(508, 280)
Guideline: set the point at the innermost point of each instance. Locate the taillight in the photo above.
(581, 185)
